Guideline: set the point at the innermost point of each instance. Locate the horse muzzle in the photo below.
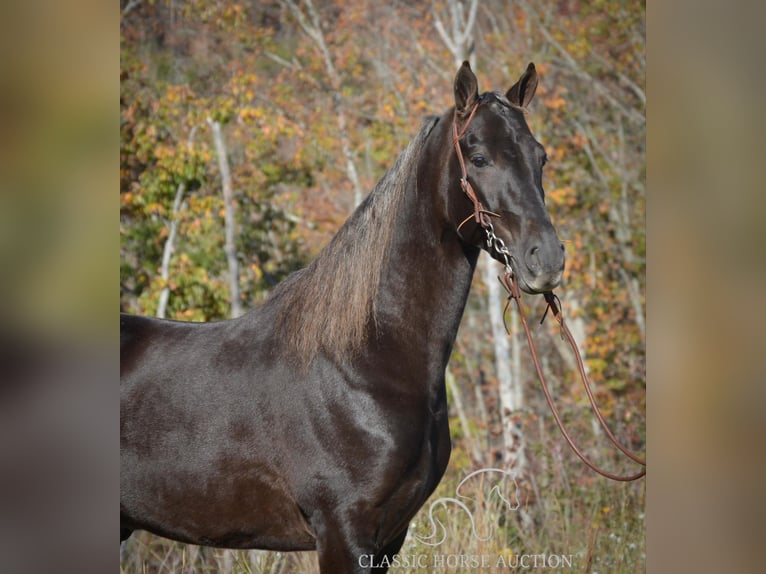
(539, 264)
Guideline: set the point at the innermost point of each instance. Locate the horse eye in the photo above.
(479, 161)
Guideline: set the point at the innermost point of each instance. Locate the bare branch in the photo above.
(314, 31)
(294, 65)
(461, 28)
(468, 28)
(627, 82)
(298, 14)
(130, 6)
(575, 69)
(443, 33)
(423, 53)
(634, 294)
(591, 156)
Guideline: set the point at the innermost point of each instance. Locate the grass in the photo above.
(581, 524)
(578, 520)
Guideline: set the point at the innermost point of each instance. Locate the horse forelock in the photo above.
(503, 100)
(330, 305)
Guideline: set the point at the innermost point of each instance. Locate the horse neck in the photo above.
(427, 275)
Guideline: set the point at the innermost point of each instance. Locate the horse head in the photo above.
(503, 164)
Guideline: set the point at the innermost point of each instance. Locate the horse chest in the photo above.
(429, 448)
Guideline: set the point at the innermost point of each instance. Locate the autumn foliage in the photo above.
(278, 92)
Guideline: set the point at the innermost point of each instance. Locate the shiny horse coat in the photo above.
(319, 419)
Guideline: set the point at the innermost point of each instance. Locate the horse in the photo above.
(318, 420)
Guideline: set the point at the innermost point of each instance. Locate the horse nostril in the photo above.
(533, 259)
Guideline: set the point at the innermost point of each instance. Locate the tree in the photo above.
(274, 76)
(230, 246)
(311, 25)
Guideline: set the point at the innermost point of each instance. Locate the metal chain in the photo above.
(494, 242)
(481, 216)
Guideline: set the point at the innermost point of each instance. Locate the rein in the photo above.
(482, 217)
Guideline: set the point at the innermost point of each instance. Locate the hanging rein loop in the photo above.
(552, 300)
(482, 217)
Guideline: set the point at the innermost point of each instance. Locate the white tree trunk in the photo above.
(169, 247)
(230, 244)
(461, 17)
(457, 403)
(168, 250)
(510, 388)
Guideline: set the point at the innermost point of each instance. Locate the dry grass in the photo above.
(581, 522)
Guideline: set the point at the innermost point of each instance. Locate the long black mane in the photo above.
(224, 441)
(328, 304)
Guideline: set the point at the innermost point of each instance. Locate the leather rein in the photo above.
(482, 217)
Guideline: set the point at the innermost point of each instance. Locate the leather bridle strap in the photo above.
(550, 298)
(479, 215)
(555, 307)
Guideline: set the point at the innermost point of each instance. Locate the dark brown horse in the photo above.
(319, 419)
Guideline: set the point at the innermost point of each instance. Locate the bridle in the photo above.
(480, 215)
(482, 218)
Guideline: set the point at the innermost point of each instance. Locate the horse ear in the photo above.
(522, 92)
(466, 89)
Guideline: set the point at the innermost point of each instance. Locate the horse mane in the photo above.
(327, 306)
